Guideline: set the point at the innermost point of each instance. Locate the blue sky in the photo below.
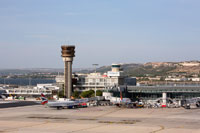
(104, 31)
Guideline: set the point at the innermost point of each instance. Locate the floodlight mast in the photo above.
(95, 90)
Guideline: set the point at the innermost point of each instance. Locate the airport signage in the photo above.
(113, 74)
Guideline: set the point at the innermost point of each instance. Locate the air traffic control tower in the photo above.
(68, 52)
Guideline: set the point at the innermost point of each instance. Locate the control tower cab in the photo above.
(116, 67)
(115, 71)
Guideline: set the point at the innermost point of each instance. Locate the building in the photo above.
(154, 92)
(46, 87)
(190, 63)
(130, 81)
(175, 79)
(100, 81)
(195, 79)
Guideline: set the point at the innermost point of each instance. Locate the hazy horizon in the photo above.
(92, 67)
(104, 32)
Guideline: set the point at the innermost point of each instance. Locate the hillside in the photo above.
(154, 69)
(150, 69)
(140, 70)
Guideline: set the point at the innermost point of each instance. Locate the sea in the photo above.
(25, 81)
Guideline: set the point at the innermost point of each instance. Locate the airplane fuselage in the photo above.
(62, 104)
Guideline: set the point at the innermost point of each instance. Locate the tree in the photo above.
(61, 93)
(99, 93)
(76, 94)
(87, 94)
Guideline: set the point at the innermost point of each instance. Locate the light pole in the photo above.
(29, 82)
(95, 66)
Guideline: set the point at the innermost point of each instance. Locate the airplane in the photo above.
(62, 104)
(192, 101)
(2, 94)
(59, 104)
(2, 97)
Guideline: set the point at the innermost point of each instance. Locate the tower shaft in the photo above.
(68, 79)
(68, 54)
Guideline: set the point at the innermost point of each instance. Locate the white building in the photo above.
(195, 79)
(190, 63)
(46, 87)
(98, 80)
(175, 79)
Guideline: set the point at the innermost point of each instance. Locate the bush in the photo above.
(87, 94)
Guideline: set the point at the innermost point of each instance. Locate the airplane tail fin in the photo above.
(44, 99)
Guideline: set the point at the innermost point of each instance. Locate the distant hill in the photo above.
(140, 70)
(151, 71)
(36, 70)
(29, 71)
(130, 69)
(105, 69)
(155, 68)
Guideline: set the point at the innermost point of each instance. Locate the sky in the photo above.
(103, 31)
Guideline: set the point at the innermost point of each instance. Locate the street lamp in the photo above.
(95, 66)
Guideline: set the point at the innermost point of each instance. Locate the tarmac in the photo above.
(41, 119)
(17, 103)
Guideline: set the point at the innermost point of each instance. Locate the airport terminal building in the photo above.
(114, 79)
(155, 92)
(100, 81)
